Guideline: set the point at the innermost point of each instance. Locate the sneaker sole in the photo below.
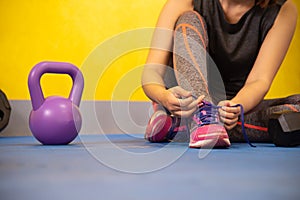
(212, 140)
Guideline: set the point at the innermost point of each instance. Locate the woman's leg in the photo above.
(189, 54)
(190, 67)
(256, 122)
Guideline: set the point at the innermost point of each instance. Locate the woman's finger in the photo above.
(228, 115)
(228, 121)
(184, 113)
(230, 109)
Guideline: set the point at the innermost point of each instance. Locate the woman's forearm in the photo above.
(152, 81)
(251, 94)
(154, 92)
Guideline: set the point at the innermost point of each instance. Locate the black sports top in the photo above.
(234, 47)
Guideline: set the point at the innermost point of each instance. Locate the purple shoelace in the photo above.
(207, 114)
(243, 124)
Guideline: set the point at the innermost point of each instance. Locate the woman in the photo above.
(247, 40)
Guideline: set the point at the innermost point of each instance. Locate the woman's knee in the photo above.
(192, 20)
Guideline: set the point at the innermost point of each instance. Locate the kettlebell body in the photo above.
(55, 120)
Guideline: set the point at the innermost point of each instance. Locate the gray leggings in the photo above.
(195, 71)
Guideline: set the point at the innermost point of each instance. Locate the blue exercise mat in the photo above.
(128, 167)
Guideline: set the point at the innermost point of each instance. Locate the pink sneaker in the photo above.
(162, 127)
(208, 131)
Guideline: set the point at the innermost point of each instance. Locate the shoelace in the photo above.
(243, 124)
(209, 114)
(206, 114)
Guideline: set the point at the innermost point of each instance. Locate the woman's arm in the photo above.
(157, 61)
(269, 59)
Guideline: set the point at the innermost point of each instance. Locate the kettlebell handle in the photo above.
(37, 96)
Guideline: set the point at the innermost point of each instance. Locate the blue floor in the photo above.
(128, 167)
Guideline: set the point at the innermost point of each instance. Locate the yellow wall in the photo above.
(73, 30)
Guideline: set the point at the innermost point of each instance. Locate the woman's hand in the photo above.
(180, 102)
(229, 115)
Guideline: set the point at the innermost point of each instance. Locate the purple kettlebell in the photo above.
(55, 120)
